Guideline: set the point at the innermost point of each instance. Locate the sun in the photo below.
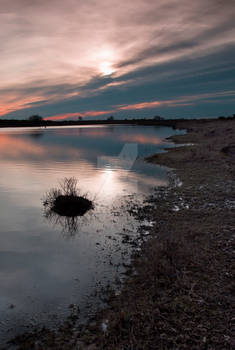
(105, 60)
(106, 68)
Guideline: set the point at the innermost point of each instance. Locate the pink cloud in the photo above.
(181, 101)
(48, 44)
(141, 105)
(82, 114)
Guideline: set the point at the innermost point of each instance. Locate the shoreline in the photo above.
(179, 296)
(174, 123)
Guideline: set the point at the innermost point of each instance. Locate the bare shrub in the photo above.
(67, 200)
(69, 187)
(50, 197)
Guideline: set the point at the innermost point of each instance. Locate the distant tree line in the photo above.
(35, 118)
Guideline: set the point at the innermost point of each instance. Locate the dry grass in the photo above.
(181, 296)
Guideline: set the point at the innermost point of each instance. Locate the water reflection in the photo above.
(83, 152)
(20, 148)
(36, 134)
(141, 139)
(69, 225)
(124, 161)
(41, 271)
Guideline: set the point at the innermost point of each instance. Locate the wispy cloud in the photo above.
(185, 100)
(56, 50)
(82, 114)
(182, 101)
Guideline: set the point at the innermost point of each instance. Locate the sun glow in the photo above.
(106, 58)
(109, 172)
(106, 68)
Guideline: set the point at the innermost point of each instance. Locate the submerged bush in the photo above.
(67, 200)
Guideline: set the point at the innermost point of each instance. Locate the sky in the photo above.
(63, 59)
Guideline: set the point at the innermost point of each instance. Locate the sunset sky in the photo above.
(128, 58)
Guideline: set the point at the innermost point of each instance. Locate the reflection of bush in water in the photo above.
(69, 224)
(65, 204)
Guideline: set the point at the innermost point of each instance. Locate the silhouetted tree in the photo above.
(110, 118)
(157, 117)
(35, 118)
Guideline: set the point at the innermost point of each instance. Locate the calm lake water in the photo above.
(46, 265)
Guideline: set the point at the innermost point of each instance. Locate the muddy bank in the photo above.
(180, 296)
(179, 292)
